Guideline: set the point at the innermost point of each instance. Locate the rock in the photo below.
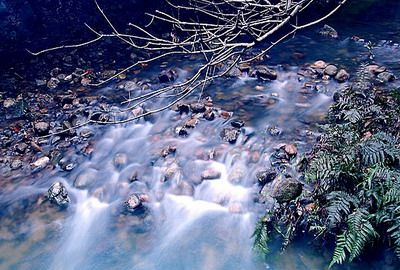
(244, 67)
(286, 190)
(320, 64)
(210, 174)
(40, 163)
(386, 77)
(192, 122)
(198, 107)
(133, 203)
(14, 109)
(170, 149)
(266, 176)
(85, 179)
(8, 103)
(167, 76)
(328, 31)
(42, 128)
(237, 123)
(86, 133)
(265, 73)
(66, 165)
(181, 131)
(53, 83)
(183, 108)
(375, 69)
(209, 115)
(230, 134)
(16, 164)
(290, 149)
(130, 86)
(331, 70)
(274, 131)
(342, 76)
(21, 147)
(58, 194)
(120, 160)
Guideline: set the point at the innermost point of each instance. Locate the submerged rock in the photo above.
(167, 76)
(58, 194)
(230, 134)
(286, 190)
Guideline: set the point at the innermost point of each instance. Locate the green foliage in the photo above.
(355, 171)
(261, 237)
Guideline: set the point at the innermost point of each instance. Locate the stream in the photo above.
(187, 221)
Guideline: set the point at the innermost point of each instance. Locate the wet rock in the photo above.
(320, 64)
(274, 131)
(21, 147)
(53, 83)
(16, 164)
(42, 128)
(342, 76)
(198, 107)
(167, 76)
(237, 123)
(183, 108)
(66, 164)
(265, 73)
(85, 179)
(244, 67)
(133, 203)
(375, 69)
(14, 109)
(181, 131)
(266, 176)
(86, 133)
(210, 174)
(130, 86)
(385, 77)
(328, 31)
(58, 194)
(40, 163)
(290, 149)
(8, 103)
(170, 149)
(331, 70)
(192, 122)
(230, 134)
(286, 190)
(234, 72)
(225, 114)
(120, 160)
(209, 115)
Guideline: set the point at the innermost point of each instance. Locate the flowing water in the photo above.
(186, 223)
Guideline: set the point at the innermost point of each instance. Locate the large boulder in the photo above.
(286, 190)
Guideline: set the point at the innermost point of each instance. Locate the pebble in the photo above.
(198, 107)
(331, 70)
(230, 134)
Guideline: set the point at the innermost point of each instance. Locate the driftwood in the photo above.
(219, 31)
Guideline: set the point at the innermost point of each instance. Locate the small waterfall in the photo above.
(83, 230)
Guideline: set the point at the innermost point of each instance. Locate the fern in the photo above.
(340, 205)
(261, 237)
